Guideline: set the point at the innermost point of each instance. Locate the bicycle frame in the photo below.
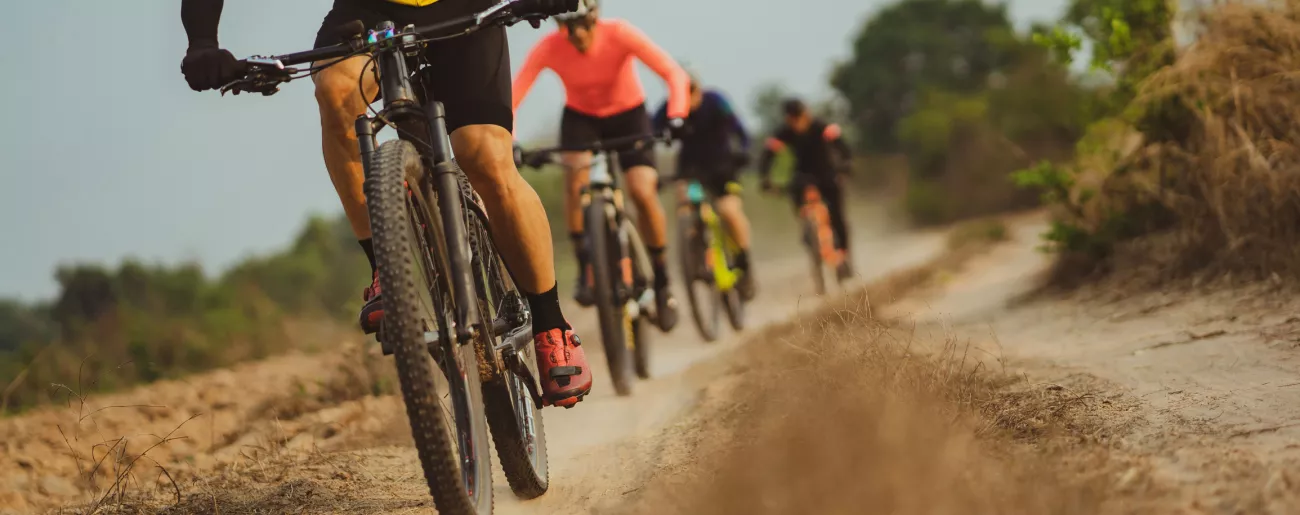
(603, 180)
(422, 121)
(823, 239)
(723, 276)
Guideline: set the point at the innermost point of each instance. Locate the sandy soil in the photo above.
(1197, 390)
(966, 395)
(304, 432)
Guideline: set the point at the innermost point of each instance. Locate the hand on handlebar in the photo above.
(534, 160)
(211, 68)
(677, 129)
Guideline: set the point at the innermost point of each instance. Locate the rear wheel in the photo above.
(513, 414)
(813, 244)
(700, 292)
(447, 422)
(609, 309)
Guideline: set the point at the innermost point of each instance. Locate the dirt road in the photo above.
(1165, 402)
(1195, 390)
(303, 430)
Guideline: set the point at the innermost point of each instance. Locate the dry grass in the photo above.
(1239, 190)
(1227, 192)
(842, 413)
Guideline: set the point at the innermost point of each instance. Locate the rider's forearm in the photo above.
(201, 18)
(533, 65)
(678, 82)
(846, 154)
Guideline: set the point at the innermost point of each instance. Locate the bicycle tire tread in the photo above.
(386, 200)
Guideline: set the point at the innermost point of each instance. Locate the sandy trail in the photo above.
(1163, 402)
(1198, 392)
(302, 432)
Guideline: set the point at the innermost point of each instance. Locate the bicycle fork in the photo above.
(447, 192)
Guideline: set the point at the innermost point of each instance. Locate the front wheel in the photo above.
(696, 271)
(611, 310)
(448, 422)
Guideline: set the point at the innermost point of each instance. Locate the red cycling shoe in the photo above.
(372, 313)
(565, 376)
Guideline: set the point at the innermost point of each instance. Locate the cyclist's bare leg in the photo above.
(642, 186)
(576, 167)
(340, 104)
(519, 226)
(642, 182)
(732, 211)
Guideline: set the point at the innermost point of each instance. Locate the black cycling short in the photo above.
(718, 180)
(583, 129)
(470, 75)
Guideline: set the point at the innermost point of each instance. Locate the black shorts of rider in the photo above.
(470, 75)
(718, 179)
(828, 189)
(578, 129)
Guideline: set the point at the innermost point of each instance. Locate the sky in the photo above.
(108, 154)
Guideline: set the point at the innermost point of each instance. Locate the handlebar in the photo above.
(537, 158)
(265, 74)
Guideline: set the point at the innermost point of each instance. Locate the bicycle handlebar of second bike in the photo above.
(540, 157)
(265, 73)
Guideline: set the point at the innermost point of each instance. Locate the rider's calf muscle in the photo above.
(642, 186)
(340, 103)
(516, 214)
(577, 166)
(732, 211)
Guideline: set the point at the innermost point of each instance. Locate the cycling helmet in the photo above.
(585, 7)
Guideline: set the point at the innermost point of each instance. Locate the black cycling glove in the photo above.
(677, 128)
(210, 68)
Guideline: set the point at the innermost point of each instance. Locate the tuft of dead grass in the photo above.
(1237, 190)
(844, 413)
(1223, 196)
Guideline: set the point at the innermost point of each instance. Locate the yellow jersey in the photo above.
(415, 3)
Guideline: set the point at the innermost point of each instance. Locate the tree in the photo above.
(917, 45)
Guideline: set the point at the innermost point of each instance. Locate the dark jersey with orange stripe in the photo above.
(819, 152)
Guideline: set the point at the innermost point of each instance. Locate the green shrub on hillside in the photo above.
(951, 85)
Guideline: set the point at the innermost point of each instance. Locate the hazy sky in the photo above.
(107, 153)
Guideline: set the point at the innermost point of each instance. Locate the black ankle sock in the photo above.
(579, 249)
(546, 311)
(368, 247)
(742, 260)
(659, 262)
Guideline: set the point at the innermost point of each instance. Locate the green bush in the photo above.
(926, 203)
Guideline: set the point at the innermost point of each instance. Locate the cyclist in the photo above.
(822, 159)
(472, 79)
(604, 100)
(715, 147)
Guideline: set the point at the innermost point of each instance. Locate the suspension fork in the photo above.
(446, 185)
(365, 128)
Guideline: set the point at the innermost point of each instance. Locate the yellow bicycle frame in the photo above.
(716, 254)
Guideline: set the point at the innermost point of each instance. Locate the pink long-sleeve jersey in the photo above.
(603, 81)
